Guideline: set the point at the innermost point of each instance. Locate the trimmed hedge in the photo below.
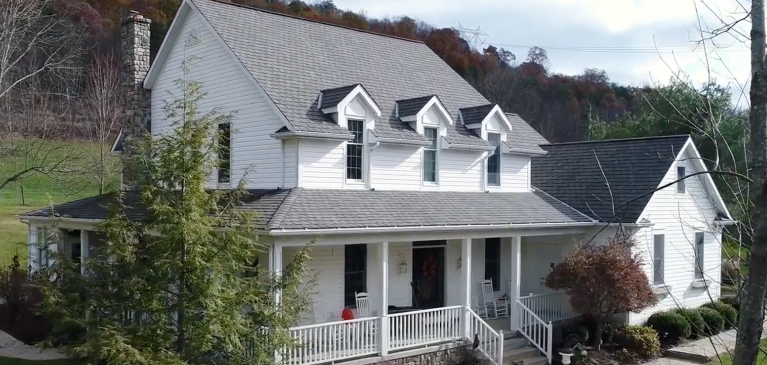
(693, 317)
(671, 327)
(641, 341)
(734, 302)
(727, 311)
(714, 320)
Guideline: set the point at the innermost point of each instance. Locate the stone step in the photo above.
(522, 353)
(515, 343)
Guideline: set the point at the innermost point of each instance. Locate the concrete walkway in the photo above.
(700, 351)
(11, 347)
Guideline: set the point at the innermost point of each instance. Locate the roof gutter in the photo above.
(315, 135)
(468, 147)
(725, 222)
(479, 227)
(524, 151)
(64, 219)
(405, 142)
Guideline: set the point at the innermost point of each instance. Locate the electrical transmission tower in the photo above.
(474, 37)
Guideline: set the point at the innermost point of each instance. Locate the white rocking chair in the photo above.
(363, 305)
(496, 307)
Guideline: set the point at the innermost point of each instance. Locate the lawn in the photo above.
(761, 360)
(10, 361)
(40, 191)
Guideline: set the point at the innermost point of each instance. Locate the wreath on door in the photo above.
(429, 267)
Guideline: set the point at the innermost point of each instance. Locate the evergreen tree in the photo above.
(178, 286)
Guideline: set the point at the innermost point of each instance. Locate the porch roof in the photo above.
(305, 209)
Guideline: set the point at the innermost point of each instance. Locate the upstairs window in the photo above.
(494, 161)
(699, 251)
(354, 149)
(224, 152)
(658, 259)
(355, 272)
(430, 155)
(493, 262)
(680, 173)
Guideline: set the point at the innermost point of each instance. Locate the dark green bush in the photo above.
(729, 313)
(714, 320)
(671, 327)
(579, 330)
(641, 341)
(697, 324)
(734, 302)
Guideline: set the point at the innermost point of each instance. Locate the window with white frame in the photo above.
(354, 150)
(42, 248)
(430, 155)
(659, 247)
(680, 173)
(355, 272)
(224, 152)
(494, 161)
(699, 251)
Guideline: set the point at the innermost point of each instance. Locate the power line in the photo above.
(627, 50)
(475, 37)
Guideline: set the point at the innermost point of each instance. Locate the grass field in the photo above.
(40, 191)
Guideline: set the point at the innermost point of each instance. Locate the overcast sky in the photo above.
(632, 40)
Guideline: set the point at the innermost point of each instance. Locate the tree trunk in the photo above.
(752, 302)
(600, 326)
(181, 344)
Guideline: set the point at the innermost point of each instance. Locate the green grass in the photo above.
(11, 361)
(40, 191)
(760, 360)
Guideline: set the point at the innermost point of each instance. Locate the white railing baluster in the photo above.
(536, 330)
(550, 306)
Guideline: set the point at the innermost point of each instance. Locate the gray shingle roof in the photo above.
(523, 135)
(573, 173)
(412, 106)
(476, 114)
(331, 97)
(293, 59)
(322, 209)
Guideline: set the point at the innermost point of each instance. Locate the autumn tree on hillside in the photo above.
(602, 280)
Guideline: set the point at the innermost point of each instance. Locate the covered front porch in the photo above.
(424, 293)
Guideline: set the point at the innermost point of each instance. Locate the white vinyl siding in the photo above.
(290, 150)
(230, 89)
(679, 217)
(322, 164)
(515, 173)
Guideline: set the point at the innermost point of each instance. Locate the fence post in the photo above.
(550, 338)
(500, 348)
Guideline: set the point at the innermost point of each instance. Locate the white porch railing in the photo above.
(333, 341)
(490, 342)
(538, 332)
(550, 307)
(419, 328)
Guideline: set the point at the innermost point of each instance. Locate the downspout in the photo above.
(484, 181)
(370, 164)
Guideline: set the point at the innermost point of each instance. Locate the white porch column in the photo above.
(466, 285)
(275, 266)
(516, 274)
(383, 336)
(84, 249)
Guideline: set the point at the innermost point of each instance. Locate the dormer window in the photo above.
(431, 155)
(424, 112)
(494, 161)
(355, 151)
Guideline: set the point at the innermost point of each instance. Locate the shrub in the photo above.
(729, 313)
(733, 301)
(714, 320)
(697, 324)
(640, 340)
(20, 302)
(671, 327)
(579, 330)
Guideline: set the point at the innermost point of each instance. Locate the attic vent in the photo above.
(193, 38)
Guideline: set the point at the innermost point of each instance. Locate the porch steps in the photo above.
(517, 347)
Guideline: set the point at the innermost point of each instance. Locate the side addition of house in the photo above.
(437, 213)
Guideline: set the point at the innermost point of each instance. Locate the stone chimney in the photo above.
(135, 36)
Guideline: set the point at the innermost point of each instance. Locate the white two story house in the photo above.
(416, 188)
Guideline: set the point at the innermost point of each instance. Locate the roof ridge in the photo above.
(536, 190)
(282, 212)
(617, 140)
(226, 2)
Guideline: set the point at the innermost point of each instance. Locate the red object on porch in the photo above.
(347, 314)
